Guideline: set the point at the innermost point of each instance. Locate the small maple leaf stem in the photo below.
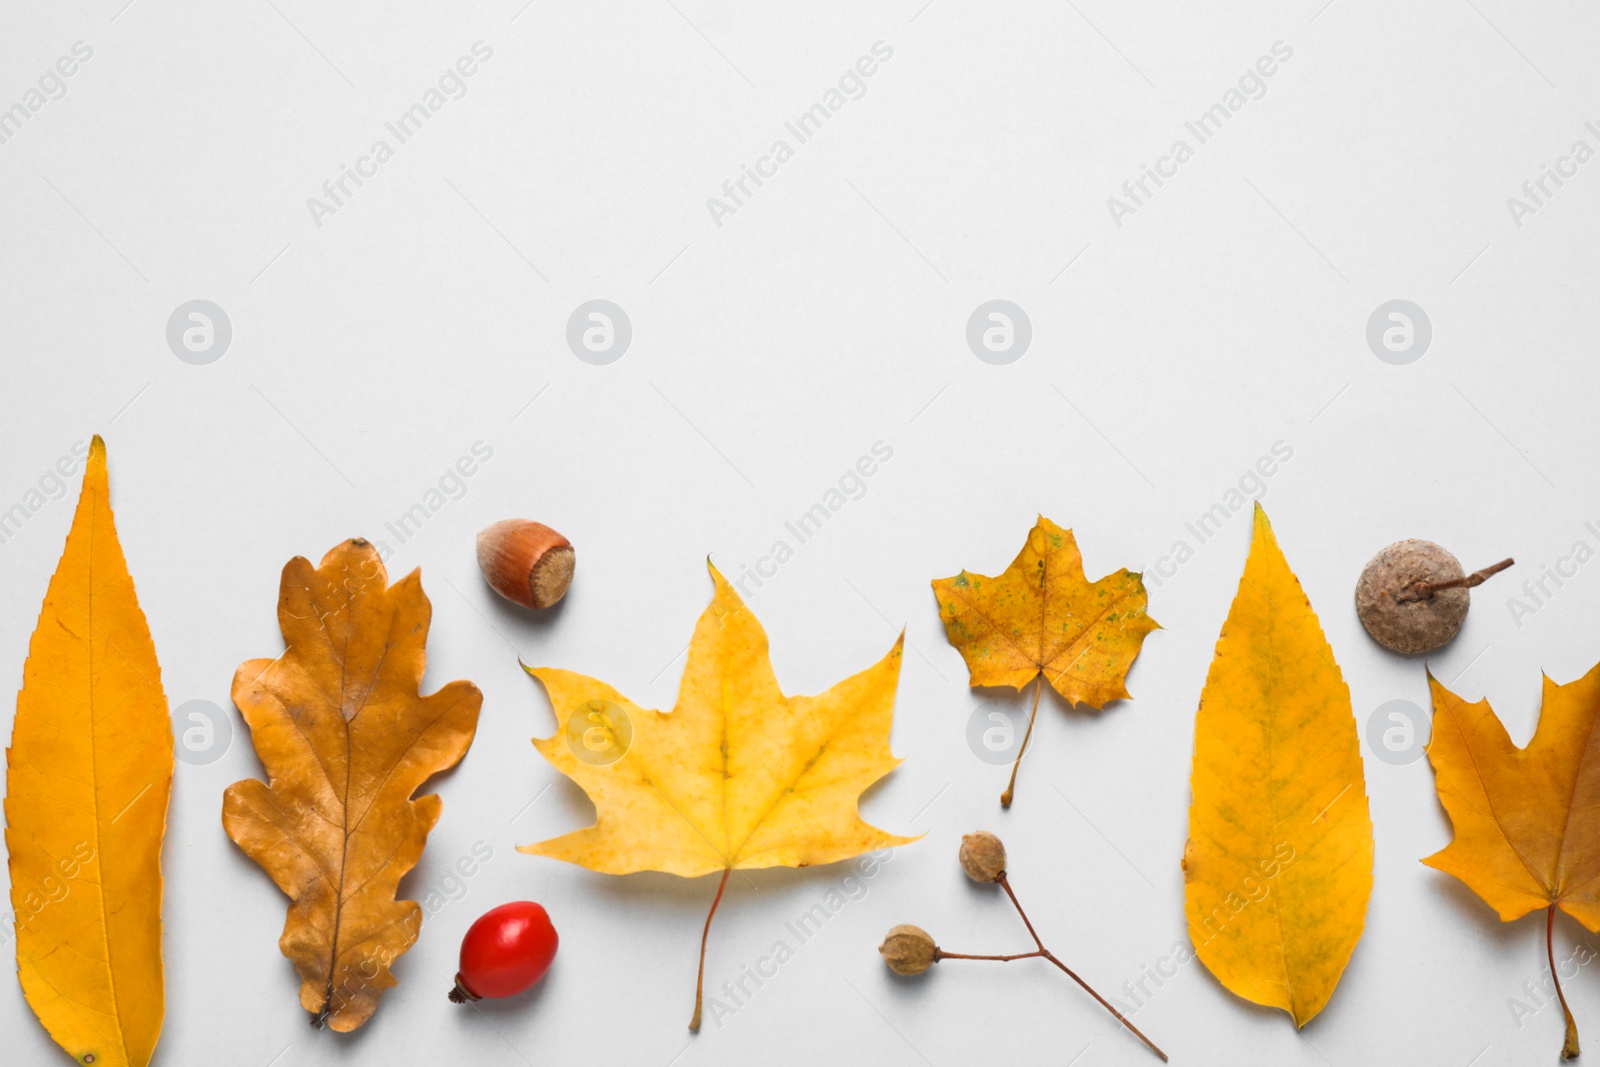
(1569, 1049)
(1005, 883)
(1011, 786)
(700, 979)
(1424, 590)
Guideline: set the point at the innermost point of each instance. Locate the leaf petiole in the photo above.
(1569, 1048)
(1005, 798)
(700, 978)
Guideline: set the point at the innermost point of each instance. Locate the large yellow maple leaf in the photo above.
(88, 775)
(1042, 618)
(346, 737)
(1526, 836)
(737, 776)
(1278, 867)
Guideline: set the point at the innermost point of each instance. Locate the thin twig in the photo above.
(1107, 1005)
(941, 954)
(1425, 590)
(1005, 884)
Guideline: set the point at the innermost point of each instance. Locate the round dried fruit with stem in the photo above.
(983, 857)
(526, 562)
(908, 950)
(1412, 597)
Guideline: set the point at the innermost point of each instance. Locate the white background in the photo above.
(769, 353)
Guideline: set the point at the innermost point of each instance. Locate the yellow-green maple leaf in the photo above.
(1043, 618)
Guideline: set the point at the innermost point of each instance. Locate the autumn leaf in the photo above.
(345, 737)
(1044, 619)
(1525, 831)
(736, 777)
(88, 775)
(1278, 867)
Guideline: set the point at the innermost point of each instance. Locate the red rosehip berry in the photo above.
(507, 950)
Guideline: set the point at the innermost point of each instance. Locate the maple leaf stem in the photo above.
(1011, 786)
(1005, 883)
(700, 979)
(1569, 1049)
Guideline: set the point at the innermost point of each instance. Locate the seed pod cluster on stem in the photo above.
(910, 950)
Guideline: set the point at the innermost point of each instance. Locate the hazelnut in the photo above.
(526, 562)
(983, 857)
(908, 950)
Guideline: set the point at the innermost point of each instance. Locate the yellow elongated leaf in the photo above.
(1278, 868)
(345, 736)
(88, 775)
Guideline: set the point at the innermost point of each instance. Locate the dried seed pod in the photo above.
(983, 857)
(908, 950)
(1412, 597)
(526, 562)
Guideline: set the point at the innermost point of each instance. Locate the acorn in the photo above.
(983, 857)
(1412, 597)
(526, 562)
(908, 950)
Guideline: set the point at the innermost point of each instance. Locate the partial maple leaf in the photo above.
(88, 776)
(1277, 871)
(1044, 619)
(1526, 836)
(737, 776)
(346, 738)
